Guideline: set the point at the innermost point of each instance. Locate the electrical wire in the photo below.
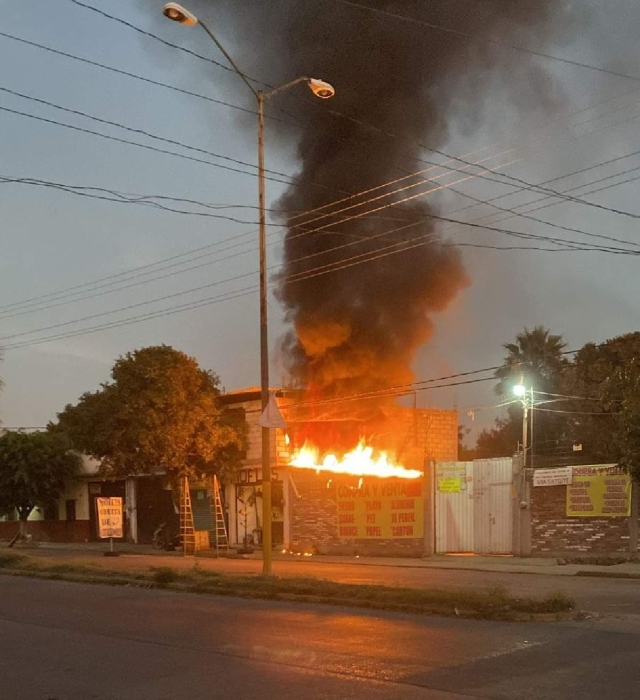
(493, 42)
(142, 78)
(527, 185)
(396, 247)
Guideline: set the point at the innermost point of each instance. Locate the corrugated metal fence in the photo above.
(473, 506)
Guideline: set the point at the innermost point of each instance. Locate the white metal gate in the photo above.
(492, 516)
(473, 506)
(454, 507)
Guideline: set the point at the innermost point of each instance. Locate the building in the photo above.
(305, 503)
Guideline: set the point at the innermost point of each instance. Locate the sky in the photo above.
(54, 240)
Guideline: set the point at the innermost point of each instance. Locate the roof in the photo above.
(253, 393)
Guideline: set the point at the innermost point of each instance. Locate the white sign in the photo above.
(271, 416)
(561, 476)
(109, 512)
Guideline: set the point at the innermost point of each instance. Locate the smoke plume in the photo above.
(360, 294)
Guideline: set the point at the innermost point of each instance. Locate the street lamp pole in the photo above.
(527, 405)
(323, 90)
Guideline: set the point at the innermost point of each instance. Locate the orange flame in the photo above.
(358, 462)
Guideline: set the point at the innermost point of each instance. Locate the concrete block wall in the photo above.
(431, 435)
(314, 522)
(555, 534)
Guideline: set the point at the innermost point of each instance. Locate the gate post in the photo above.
(428, 499)
(521, 509)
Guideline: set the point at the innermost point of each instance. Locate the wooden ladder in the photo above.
(187, 530)
(220, 528)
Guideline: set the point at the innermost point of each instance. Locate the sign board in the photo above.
(381, 509)
(599, 492)
(560, 476)
(449, 484)
(451, 477)
(109, 511)
(271, 416)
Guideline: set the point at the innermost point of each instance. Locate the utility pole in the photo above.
(177, 13)
(264, 349)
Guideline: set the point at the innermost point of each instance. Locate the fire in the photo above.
(358, 462)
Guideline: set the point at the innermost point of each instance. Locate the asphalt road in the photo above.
(64, 641)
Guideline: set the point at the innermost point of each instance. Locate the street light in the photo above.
(324, 91)
(520, 391)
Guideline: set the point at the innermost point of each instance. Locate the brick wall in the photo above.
(49, 530)
(430, 435)
(314, 522)
(555, 534)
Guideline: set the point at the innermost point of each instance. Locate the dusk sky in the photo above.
(54, 240)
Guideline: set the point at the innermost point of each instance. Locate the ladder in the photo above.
(220, 527)
(187, 531)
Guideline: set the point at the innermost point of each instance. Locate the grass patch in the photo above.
(8, 561)
(164, 575)
(492, 604)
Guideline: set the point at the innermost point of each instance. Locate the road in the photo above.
(65, 641)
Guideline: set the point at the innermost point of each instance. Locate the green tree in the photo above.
(537, 357)
(33, 471)
(501, 440)
(159, 412)
(606, 418)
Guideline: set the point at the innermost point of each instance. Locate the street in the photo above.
(65, 641)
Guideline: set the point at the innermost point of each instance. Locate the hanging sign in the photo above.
(109, 512)
(560, 476)
(271, 416)
(599, 492)
(387, 509)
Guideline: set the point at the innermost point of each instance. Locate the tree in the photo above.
(537, 356)
(606, 419)
(500, 441)
(33, 471)
(159, 412)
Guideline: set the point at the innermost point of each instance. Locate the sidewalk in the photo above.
(496, 564)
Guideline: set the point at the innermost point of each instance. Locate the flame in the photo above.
(358, 462)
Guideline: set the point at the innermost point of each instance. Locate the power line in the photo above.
(133, 143)
(457, 32)
(396, 247)
(221, 102)
(325, 269)
(580, 413)
(142, 78)
(148, 134)
(527, 185)
(155, 36)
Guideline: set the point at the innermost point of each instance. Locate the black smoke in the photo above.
(358, 326)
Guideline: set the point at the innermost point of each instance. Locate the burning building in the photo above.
(365, 267)
(370, 497)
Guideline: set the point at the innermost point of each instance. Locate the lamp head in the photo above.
(177, 13)
(321, 89)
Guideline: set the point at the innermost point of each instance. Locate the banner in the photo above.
(599, 492)
(109, 512)
(385, 509)
(561, 476)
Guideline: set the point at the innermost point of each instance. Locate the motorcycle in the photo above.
(163, 538)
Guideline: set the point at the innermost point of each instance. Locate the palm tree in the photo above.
(536, 356)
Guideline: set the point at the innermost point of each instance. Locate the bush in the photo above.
(164, 575)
